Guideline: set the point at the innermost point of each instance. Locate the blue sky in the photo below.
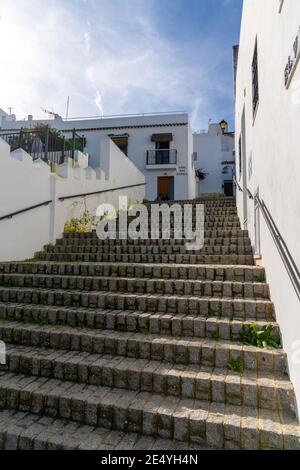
(119, 56)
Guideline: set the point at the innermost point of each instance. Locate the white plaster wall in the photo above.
(192, 183)
(24, 183)
(273, 142)
(208, 146)
(3, 116)
(138, 144)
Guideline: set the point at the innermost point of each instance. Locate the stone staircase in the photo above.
(137, 345)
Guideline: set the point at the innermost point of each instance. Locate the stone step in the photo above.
(147, 258)
(147, 271)
(209, 218)
(212, 224)
(208, 210)
(252, 309)
(205, 199)
(211, 205)
(214, 424)
(225, 289)
(180, 325)
(184, 351)
(238, 233)
(26, 431)
(94, 240)
(266, 391)
(208, 202)
(148, 250)
(216, 212)
(191, 209)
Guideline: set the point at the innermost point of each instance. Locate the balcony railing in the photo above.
(162, 157)
(45, 143)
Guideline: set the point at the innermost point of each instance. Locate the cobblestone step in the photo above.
(206, 220)
(208, 225)
(179, 325)
(151, 250)
(224, 289)
(252, 309)
(208, 208)
(149, 271)
(239, 233)
(147, 258)
(266, 391)
(92, 240)
(209, 201)
(26, 431)
(231, 208)
(188, 351)
(214, 424)
(128, 344)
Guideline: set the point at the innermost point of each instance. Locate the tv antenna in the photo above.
(51, 113)
(68, 105)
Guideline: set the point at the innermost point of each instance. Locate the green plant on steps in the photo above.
(82, 224)
(259, 337)
(215, 336)
(212, 314)
(34, 259)
(235, 365)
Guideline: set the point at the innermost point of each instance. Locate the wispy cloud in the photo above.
(108, 56)
(87, 42)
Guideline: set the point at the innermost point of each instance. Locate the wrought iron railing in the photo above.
(27, 209)
(284, 252)
(162, 157)
(235, 182)
(45, 143)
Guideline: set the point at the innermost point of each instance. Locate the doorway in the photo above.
(228, 188)
(165, 186)
(162, 153)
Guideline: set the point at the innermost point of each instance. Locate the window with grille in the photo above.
(255, 90)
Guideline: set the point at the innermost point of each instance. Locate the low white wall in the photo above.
(24, 183)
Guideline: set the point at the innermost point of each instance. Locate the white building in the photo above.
(3, 116)
(159, 145)
(36, 202)
(215, 157)
(267, 122)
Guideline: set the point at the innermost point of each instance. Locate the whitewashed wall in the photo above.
(210, 147)
(272, 143)
(25, 183)
(22, 184)
(3, 116)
